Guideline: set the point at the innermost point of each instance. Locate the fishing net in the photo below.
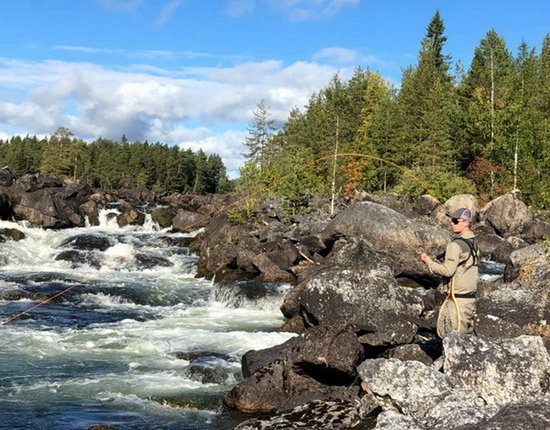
(448, 318)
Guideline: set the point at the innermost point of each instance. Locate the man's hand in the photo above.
(425, 258)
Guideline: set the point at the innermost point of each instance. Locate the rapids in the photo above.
(136, 342)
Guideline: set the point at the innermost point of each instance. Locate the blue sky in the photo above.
(190, 72)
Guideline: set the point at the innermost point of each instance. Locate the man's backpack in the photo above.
(470, 246)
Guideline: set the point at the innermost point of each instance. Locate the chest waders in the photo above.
(448, 318)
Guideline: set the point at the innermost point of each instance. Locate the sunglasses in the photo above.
(455, 221)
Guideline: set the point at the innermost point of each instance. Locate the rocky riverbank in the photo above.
(361, 302)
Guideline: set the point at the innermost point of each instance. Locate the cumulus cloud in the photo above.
(207, 107)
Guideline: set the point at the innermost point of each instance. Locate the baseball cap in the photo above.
(462, 213)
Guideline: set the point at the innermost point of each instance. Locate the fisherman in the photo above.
(461, 267)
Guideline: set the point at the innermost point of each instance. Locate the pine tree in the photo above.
(260, 137)
(424, 104)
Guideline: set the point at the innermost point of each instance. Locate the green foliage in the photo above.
(457, 134)
(110, 164)
(436, 181)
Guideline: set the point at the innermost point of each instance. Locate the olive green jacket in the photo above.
(465, 275)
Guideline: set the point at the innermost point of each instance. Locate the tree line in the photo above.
(445, 131)
(108, 164)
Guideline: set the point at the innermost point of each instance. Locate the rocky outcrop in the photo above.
(44, 200)
(318, 365)
(352, 274)
(481, 382)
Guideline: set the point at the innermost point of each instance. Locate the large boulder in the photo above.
(501, 371)
(425, 397)
(357, 285)
(461, 201)
(46, 201)
(391, 234)
(187, 221)
(129, 215)
(320, 364)
(340, 414)
(507, 214)
(524, 260)
(219, 247)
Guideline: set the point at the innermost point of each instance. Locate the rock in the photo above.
(426, 204)
(148, 261)
(391, 420)
(319, 415)
(537, 230)
(282, 252)
(524, 259)
(254, 360)
(357, 286)
(78, 258)
(34, 182)
(12, 233)
(391, 234)
(530, 414)
(501, 371)
(507, 214)
(163, 216)
(88, 242)
(44, 208)
(7, 177)
(186, 221)
(261, 393)
(425, 353)
(270, 271)
(129, 215)
(412, 387)
(461, 201)
(219, 246)
(90, 211)
(425, 398)
(318, 365)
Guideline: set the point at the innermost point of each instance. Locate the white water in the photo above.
(109, 351)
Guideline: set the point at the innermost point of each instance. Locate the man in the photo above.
(460, 266)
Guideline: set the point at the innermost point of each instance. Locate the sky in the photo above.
(191, 72)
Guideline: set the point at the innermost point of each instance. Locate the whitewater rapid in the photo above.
(129, 345)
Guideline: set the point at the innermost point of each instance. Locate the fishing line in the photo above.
(43, 302)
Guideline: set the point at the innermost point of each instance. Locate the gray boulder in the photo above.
(319, 415)
(356, 285)
(187, 221)
(391, 234)
(507, 214)
(501, 371)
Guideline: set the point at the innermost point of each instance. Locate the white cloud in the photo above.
(199, 107)
(303, 10)
(343, 56)
(167, 11)
(237, 8)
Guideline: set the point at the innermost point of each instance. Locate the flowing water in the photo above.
(136, 341)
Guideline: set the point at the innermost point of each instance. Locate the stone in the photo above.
(501, 371)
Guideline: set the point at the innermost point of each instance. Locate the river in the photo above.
(136, 341)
